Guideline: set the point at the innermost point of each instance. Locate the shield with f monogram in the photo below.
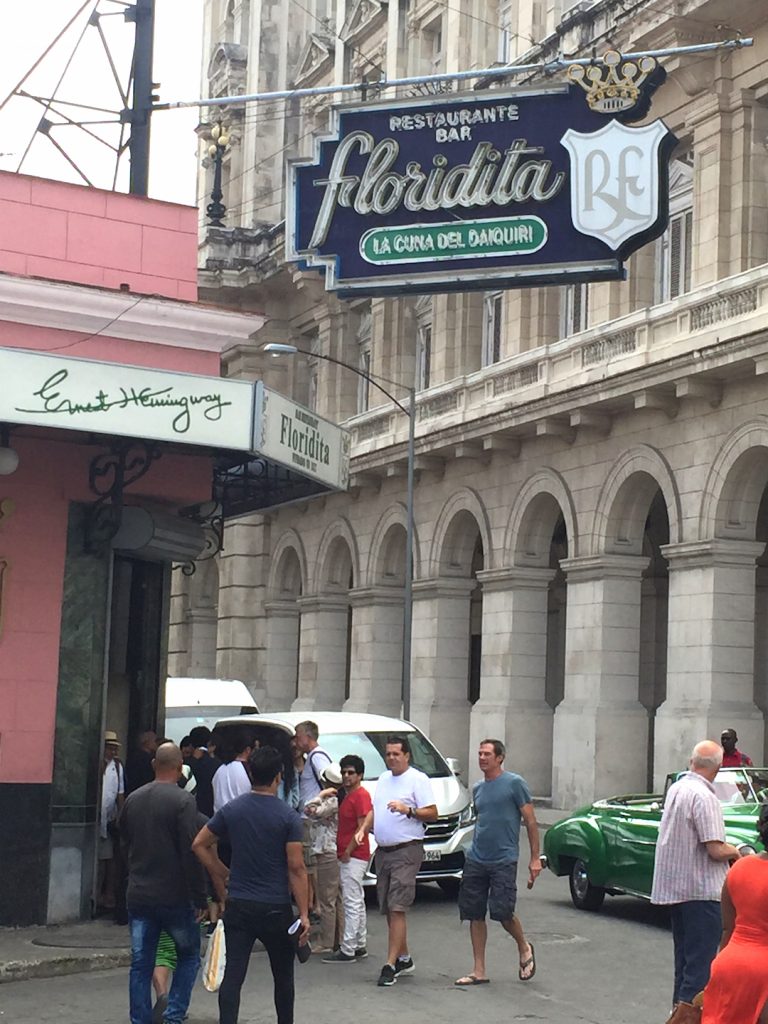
(616, 187)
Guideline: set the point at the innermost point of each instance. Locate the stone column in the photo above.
(600, 739)
(282, 655)
(440, 663)
(512, 705)
(376, 672)
(243, 570)
(322, 653)
(711, 650)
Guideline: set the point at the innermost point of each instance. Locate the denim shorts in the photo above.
(488, 888)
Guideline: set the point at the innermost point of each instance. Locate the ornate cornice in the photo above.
(69, 307)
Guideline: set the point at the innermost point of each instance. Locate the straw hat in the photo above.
(111, 737)
(332, 774)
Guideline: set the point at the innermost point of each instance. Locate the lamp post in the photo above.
(277, 349)
(216, 209)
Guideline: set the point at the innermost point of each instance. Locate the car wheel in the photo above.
(450, 886)
(585, 896)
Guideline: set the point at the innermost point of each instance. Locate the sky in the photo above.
(177, 67)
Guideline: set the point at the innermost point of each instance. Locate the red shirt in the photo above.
(355, 804)
(736, 760)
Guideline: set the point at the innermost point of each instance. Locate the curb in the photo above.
(25, 970)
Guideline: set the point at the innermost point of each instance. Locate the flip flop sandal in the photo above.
(470, 979)
(530, 962)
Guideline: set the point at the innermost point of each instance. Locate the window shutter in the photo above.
(676, 256)
(496, 328)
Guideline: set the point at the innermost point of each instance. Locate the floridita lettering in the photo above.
(52, 401)
(305, 440)
(491, 178)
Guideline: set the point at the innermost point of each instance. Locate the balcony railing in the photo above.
(706, 317)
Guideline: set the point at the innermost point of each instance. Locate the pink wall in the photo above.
(112, 350)
(33, 542)
(66, 232)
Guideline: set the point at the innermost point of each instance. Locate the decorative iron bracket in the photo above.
(109, 474)
(209, 515)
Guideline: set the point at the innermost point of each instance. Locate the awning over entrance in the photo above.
(269, 449)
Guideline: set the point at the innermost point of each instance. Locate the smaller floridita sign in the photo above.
(485, 190)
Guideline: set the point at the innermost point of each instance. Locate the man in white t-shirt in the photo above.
(402, 803)
(232, 780)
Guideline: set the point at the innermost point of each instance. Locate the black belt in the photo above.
(399, 846)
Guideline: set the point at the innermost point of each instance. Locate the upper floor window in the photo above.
(364, 362)
(575, 309)
(506, 35)
(675, 247)
(423, 343)
(493, 307)
(432, 47)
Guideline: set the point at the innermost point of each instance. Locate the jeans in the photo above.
(353, 898)
(244, 922)
(146, 924)
(696, 930)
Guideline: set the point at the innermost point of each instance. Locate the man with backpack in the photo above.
(310, 784)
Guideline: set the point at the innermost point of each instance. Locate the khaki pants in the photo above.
(329, 907)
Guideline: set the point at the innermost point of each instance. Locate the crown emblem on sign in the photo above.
(616, 87)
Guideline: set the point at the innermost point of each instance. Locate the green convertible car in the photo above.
(609, 846)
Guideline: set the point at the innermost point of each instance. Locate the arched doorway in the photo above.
(283, 631)
(377, 624)
(524, 628)
(326, 627)
(448, 613)
(615, 636)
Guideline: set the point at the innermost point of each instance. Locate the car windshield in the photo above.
(370, 746)
(742, 786)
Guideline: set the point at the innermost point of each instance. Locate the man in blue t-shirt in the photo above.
(489, 880)
(267, 867)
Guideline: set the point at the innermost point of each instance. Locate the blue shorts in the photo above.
(488, 888)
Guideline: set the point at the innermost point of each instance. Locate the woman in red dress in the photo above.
(737, 992)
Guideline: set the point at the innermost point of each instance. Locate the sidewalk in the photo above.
(46, 952)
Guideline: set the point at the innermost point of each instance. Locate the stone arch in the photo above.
(736, 483)
(625, 498)
(542, 499)
(383, 554)
(288, 568)
(338, 559)
(452, 543)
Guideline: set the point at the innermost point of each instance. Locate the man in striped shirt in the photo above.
(691, 864)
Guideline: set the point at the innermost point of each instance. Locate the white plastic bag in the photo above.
(215, 959)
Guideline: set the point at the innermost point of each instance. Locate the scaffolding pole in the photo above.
(547, 67)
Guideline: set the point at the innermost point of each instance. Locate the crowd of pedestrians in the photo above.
(278, 837)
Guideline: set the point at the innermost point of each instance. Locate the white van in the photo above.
(448, 839)
(191, 702)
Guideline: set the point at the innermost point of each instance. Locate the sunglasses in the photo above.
(349, 771)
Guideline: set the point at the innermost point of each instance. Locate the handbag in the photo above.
(215, 959)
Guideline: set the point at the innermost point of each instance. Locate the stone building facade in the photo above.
(592, 461)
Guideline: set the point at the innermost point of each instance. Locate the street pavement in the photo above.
(614, 967)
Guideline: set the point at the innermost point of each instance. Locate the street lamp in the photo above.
(278, 349)
(216, 209)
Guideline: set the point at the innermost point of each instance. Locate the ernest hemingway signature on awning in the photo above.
(54, 402)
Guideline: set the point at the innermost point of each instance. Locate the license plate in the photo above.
(431, 855)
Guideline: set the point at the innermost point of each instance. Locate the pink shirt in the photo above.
(684, 870)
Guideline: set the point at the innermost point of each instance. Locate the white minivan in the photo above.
(448, 839)
(190, 702)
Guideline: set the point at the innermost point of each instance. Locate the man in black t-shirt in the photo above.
(204, 767)
(267, 866)
(166, 885)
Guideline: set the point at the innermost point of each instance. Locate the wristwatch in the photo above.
(410, 812)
